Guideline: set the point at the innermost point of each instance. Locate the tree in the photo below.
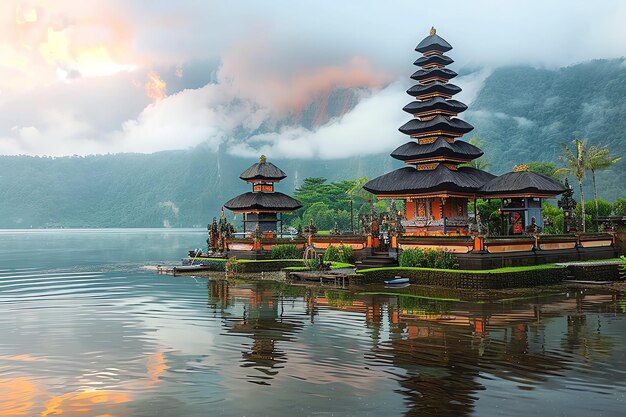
(549, 169)
(481, 163)
(358, 193)
(577, 164)
(599, 159)
(619, 207)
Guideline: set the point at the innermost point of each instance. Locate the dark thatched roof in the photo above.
(433, 59)
(423, 74)
(440, 147)
(522, 183)
(411, 181)
(434, 87)
(453, 125)
(433, 42)
(263, 171)
(263, 201)
(435, 103)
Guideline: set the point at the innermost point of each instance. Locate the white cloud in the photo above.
(275, 59)
(371, 127)
(170, 205)
(523, 122)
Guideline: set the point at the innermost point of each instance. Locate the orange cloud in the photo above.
(155, 86)
(45, 40)
(255, 70)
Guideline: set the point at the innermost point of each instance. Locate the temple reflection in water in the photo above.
(441, 352)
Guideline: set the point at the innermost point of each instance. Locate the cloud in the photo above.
(371, 127)
(94, 77)
(155, 86)
(170, 205)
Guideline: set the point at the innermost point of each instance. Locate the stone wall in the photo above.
(594, 272)
(465, 279)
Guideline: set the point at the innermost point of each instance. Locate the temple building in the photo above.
(521, 192)
(436, 185)
(262, 208)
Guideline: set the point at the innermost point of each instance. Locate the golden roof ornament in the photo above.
(433, 31)
(520, 168)
(262, 159)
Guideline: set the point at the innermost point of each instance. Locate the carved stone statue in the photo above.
(568, 204)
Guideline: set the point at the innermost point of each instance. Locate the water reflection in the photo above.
(262, 320)
(443, 354)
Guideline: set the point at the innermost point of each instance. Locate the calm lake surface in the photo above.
(86, 330)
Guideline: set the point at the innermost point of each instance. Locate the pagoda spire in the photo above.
(435, 185)
(434, 110)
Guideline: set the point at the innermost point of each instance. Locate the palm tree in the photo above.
(599, 159)
(577, 164)
(481, 163)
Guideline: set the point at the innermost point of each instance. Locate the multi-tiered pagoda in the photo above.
(262, 206)
(435, 188)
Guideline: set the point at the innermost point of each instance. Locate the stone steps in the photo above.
(377, 260)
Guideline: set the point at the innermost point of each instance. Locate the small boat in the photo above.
(191, 268)
(396, 280)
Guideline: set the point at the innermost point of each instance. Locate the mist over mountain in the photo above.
(522, 114)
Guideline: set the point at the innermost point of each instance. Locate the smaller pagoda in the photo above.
(261, 207)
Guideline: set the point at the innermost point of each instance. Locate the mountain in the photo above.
(524, 114)
(173, 188)
(521, 113)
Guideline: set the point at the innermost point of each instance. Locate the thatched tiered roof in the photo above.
(268, 202)
(522, 184)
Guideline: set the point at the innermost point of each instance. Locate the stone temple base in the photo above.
(485, 260)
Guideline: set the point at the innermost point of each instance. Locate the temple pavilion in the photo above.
(263, 207)
(521, 193)
(435, 185)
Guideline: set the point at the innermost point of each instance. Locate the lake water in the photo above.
(85, 330)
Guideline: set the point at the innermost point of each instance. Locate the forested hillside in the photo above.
(521, 114)
(178, 189)
(524, 114)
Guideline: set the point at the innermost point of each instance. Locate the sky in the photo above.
(81, 77)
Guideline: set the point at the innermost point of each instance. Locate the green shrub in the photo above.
(345, 254)
(285, 252)
(412, 258)
(342, 253)
(331, 254)
(555, 216)
(619, 207)
(429, 258)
